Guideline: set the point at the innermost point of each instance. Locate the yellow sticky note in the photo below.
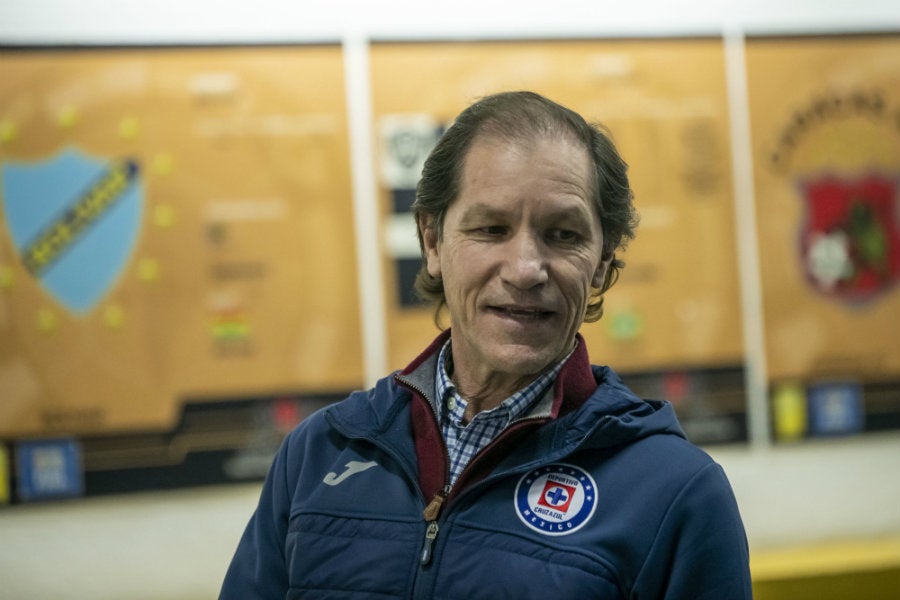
(129, 128)
(67, 117)
(5, 494)
(113, 316)
(163, 163)
(8, 131)
(148, 269)
(163, 215)
(6, 278)
(789, 407)
(47, 320)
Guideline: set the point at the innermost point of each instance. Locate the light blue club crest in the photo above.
(74, 221)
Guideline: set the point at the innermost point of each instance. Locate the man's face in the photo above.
(521, 248)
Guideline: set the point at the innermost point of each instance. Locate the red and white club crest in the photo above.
(850, 244)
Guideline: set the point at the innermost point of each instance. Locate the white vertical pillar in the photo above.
(747, 240)
(366, 216)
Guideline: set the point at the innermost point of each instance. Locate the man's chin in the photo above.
(523, 359)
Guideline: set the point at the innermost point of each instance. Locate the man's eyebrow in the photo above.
(575, 212)
(478, 212)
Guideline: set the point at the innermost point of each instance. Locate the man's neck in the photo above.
(484, 388)
(487, 393)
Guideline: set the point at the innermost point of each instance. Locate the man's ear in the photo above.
(599, 279)
(431, 244)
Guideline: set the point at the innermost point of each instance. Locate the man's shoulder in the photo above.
(363, 409)
(360, 413)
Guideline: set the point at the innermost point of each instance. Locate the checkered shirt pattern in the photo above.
(465, 440)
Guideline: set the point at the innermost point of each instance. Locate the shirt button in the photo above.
(451, 404)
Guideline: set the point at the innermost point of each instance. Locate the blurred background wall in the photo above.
(242, 173)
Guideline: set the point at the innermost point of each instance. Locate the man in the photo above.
(500, 463)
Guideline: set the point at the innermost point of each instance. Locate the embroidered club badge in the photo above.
(556, 500)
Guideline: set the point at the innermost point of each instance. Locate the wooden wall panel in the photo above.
(677, 302)
(240, 277)
(826, 139)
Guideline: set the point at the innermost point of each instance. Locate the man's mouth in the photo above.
(522, 313)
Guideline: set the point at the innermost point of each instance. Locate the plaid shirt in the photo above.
(465, 440)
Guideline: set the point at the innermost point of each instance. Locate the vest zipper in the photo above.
(433, 510)
(431, 514)
(430, 535)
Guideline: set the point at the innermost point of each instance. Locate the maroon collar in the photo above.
(429, 352)
(575, 382)
(574, 385)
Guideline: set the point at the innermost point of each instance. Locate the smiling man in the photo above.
(500, 463)
(518, 252)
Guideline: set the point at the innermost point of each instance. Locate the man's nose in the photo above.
(525, 264)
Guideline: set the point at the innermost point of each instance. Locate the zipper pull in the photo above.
(430, 535)
(431, 514)
(433, 510)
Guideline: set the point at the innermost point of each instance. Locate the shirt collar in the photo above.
(450, 405)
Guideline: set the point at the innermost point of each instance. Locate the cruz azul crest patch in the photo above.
(851, 240)
(556, 500)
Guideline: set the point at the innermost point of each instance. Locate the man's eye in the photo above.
(564, 235)
(492, 230)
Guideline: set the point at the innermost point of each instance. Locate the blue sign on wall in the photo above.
(49, 469)
(836, 408)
